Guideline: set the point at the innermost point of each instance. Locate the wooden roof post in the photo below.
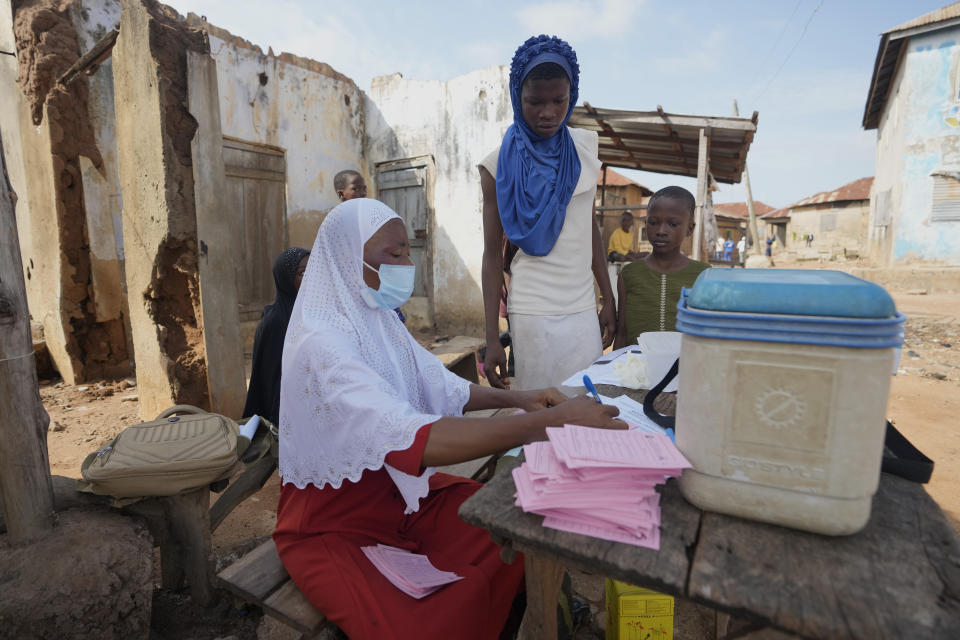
(702, 186)
(603, 188)
(26, 493)
(746, 183)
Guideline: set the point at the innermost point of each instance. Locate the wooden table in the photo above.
(898, 578)
(458, 354)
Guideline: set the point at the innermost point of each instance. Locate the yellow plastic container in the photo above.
(635, 613)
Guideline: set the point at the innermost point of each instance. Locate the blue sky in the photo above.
(689, 56)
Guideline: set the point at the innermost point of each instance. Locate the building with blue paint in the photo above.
(914, 104)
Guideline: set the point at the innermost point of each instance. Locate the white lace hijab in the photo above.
(355, 384)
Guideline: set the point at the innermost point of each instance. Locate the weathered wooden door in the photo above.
(256, 198)
(406, 186)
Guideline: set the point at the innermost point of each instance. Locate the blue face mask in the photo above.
(396, 286)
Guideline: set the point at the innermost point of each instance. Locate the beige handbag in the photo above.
(166, 456)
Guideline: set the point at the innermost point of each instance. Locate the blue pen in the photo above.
(588, 383)
(671, 435)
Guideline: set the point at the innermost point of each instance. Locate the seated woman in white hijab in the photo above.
(365, 416)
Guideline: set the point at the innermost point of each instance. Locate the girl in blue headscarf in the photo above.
(538, 191)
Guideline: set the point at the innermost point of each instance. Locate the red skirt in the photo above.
(319, 534)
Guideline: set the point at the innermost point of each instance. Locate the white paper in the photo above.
(631, 411)
(249, 429)
(606, 374)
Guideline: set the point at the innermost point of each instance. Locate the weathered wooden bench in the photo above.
(181, 525)
(260, 578)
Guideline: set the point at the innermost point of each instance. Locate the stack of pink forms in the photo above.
(412, 573)
(598, 482)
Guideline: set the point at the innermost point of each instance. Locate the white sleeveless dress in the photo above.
(552, 301)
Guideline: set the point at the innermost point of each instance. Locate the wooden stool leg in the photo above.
(171, 568)
(544, 578)
(722, 622)
(188, 515)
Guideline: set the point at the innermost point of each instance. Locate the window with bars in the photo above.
(945, 203)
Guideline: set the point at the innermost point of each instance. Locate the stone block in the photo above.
(92, 577)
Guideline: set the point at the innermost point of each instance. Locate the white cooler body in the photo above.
(790, 434)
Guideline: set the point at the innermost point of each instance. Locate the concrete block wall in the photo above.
(458, 122)
(51, 143)
(154, 133)
(849, 232)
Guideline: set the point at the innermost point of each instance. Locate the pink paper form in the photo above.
(412, 573)
(598, 482)
(579, 447)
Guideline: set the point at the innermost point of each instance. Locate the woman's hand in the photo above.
(587, 412)
(538, 399)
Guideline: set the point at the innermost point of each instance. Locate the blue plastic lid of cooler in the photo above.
(828, 308)
(790, 292)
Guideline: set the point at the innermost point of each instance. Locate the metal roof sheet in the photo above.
(668, 143)
(739, 209)
(856, 190)
(935, 16)
(615, 179)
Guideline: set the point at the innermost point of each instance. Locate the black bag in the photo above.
(667, 422)
(900, 457)
(903, 459)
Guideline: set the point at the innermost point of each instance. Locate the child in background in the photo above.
(349, 184)
(649, 289)
(620, 247)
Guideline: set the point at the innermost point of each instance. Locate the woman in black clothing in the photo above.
(263, 395)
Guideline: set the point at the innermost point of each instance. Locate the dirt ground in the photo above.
(924, 404)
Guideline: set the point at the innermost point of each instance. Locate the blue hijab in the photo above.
(536, 176)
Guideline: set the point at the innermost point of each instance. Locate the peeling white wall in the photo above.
(458, 122)
(15, 125)
(92, 19)
(316, 118)
(101, 187)
(918, 134)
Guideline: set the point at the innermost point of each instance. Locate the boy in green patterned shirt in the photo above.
(649, 289)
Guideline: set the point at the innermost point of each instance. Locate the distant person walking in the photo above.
(728, 249)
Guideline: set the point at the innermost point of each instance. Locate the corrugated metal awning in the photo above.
(668, 143)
